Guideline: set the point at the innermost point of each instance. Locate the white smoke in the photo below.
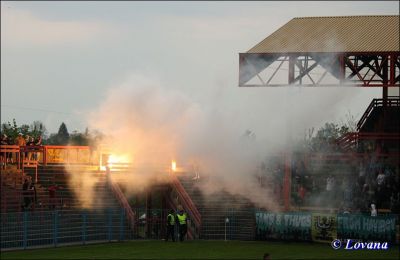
(153, 124)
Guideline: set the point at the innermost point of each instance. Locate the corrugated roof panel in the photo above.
(334, 34)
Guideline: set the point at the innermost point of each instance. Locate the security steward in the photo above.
(182, 220)
(171, 225)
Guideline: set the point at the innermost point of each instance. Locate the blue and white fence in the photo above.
(21, 230)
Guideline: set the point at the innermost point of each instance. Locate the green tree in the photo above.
(62, 135)
(10, 129)
(324, 140)
(77, 138)
(37, 128)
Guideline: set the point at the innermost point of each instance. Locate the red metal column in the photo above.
(392, 66)
(385, 70)
(287, 181)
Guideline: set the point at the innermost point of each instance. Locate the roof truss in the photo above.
(319, 69)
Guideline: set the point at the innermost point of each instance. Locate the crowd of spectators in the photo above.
(354, 189)
(20, 140)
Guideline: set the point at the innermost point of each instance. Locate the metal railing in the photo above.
(22, 230)
(187, 203)
(130, 214)
(377, 102)
(9, 152)
(349, 140)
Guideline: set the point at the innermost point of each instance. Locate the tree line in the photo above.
(62, 137)
(314, 140)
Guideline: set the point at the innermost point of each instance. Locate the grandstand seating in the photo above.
(214, 210)
(100, 222)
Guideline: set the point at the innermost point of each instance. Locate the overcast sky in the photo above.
(59, 58)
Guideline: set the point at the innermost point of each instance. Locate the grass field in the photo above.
(200, 250)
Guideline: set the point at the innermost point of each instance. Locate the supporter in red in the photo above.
(301, 193)
(52, 195)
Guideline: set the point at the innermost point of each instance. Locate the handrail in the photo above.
(9, 148)
(83, 147)
(123, 201)
(187, 202)
(390, 102)
(349, 139)
(5, 148)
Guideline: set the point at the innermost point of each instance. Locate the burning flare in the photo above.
(114, 160)
(173, 166)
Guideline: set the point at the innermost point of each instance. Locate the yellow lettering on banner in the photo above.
(324, 227)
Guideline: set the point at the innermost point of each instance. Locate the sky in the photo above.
(60, 59)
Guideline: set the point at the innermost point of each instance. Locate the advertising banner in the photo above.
(288, 226)
(382, 228)
(68, 155)
(323, 227)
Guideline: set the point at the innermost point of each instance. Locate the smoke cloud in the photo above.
(151, 124)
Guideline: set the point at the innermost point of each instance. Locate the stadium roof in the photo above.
(334, 34)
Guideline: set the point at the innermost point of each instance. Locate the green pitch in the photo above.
(200, 250)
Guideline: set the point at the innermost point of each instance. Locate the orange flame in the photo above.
(173, 166)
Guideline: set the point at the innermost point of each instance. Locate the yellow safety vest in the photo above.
(181, 218)
(172, 219)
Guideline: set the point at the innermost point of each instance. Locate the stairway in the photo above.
(216, 208)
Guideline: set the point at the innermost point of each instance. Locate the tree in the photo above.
(78, 139)
(37, 128)
(62, 135)
(11, 130)
(325, 138)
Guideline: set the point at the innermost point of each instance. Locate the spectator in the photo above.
(10, 155)
(301, 194)
(37, 142)
(361, 174)
(26, 194)
(33, 194)
(30, 141)
(52, 195)
(374, 212)
(4, 155)
(20, 141)
(380, 179)
(347, 194)
(330, 183)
